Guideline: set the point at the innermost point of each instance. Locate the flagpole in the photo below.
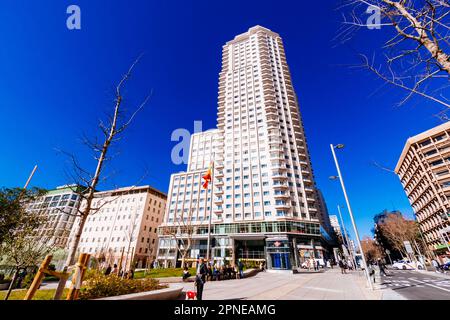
(208, 251)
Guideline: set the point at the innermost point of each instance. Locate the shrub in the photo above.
(28, 280)
(99, 286)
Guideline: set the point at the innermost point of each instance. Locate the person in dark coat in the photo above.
(108, 270)
(342, 266)
(200, 278)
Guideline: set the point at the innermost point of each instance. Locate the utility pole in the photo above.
(355, 229)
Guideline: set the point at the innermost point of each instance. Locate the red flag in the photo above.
(207, 177)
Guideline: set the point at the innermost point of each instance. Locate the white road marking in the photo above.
(323, 289)
(431, 285)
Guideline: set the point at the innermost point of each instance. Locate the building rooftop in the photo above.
(419, 137)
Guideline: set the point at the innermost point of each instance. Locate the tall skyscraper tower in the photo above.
(265, 202)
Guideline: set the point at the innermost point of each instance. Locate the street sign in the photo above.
(408, 247)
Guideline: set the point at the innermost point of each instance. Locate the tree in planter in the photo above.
(22, 245)
(416, 53)
(112, 130)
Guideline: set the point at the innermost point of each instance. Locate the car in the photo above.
(406, 265)
(446, 266)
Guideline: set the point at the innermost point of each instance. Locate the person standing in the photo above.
(200, 278)
(382, 268)
(342, 266)
(108, 270)
(115, 270)
(436, 265)
(241, 269)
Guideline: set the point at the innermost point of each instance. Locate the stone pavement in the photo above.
(329, 285)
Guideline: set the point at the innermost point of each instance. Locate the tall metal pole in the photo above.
(30, 177)
(350, 250)
(210, 211)
(351, 217)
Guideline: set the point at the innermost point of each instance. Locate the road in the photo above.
(413, 285)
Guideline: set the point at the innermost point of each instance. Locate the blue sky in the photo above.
(55, 83)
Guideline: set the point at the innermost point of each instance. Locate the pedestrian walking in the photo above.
(318, 265)
(342, 266)
(350, 264)
(436, 265)
(200, 278)
(115, 270)
(108, 270)
(241, 269)
(371, 271)
(382, 267)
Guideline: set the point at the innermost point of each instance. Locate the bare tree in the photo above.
(417, 50)
(397, 229)
(130, 235)
(182, 233)
(112, 129)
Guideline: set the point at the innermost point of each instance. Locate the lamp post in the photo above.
(363, 258)
(350, 250)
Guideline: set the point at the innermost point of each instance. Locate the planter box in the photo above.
(171, 293)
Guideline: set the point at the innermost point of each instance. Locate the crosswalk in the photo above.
(396, 280)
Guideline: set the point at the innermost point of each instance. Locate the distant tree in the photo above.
(22, 244)
(372, 251)
(182, 233)
(416, 53)
(396, 229)
(381, 237)
(12, 204)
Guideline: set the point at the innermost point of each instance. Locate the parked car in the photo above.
(406, 265)
(446, 266)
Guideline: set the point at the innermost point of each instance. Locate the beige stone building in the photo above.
(124, 229)
(424, 171)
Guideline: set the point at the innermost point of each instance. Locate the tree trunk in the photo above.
(11, 285)
(75, 242)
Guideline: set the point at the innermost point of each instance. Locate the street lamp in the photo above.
(350, 249)
(363, 258)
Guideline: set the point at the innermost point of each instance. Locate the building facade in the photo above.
(424, 172)
(122, 228)
(334, 222)
(263, 200)
(59, 206)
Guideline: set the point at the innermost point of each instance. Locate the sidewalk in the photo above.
(329, 285)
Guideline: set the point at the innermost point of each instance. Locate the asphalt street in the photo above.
(414, 285)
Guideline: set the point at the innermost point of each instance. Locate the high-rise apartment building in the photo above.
(59, 207)
(263, 199)
(335, 225)
(123, 230)
(424, 171)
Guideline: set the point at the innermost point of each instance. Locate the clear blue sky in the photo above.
(55, 83)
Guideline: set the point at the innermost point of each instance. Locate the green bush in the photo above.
(28, 280)
(99, 286)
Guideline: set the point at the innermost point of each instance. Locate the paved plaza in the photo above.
(329, 285)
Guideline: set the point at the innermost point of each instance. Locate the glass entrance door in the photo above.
(280, 260)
